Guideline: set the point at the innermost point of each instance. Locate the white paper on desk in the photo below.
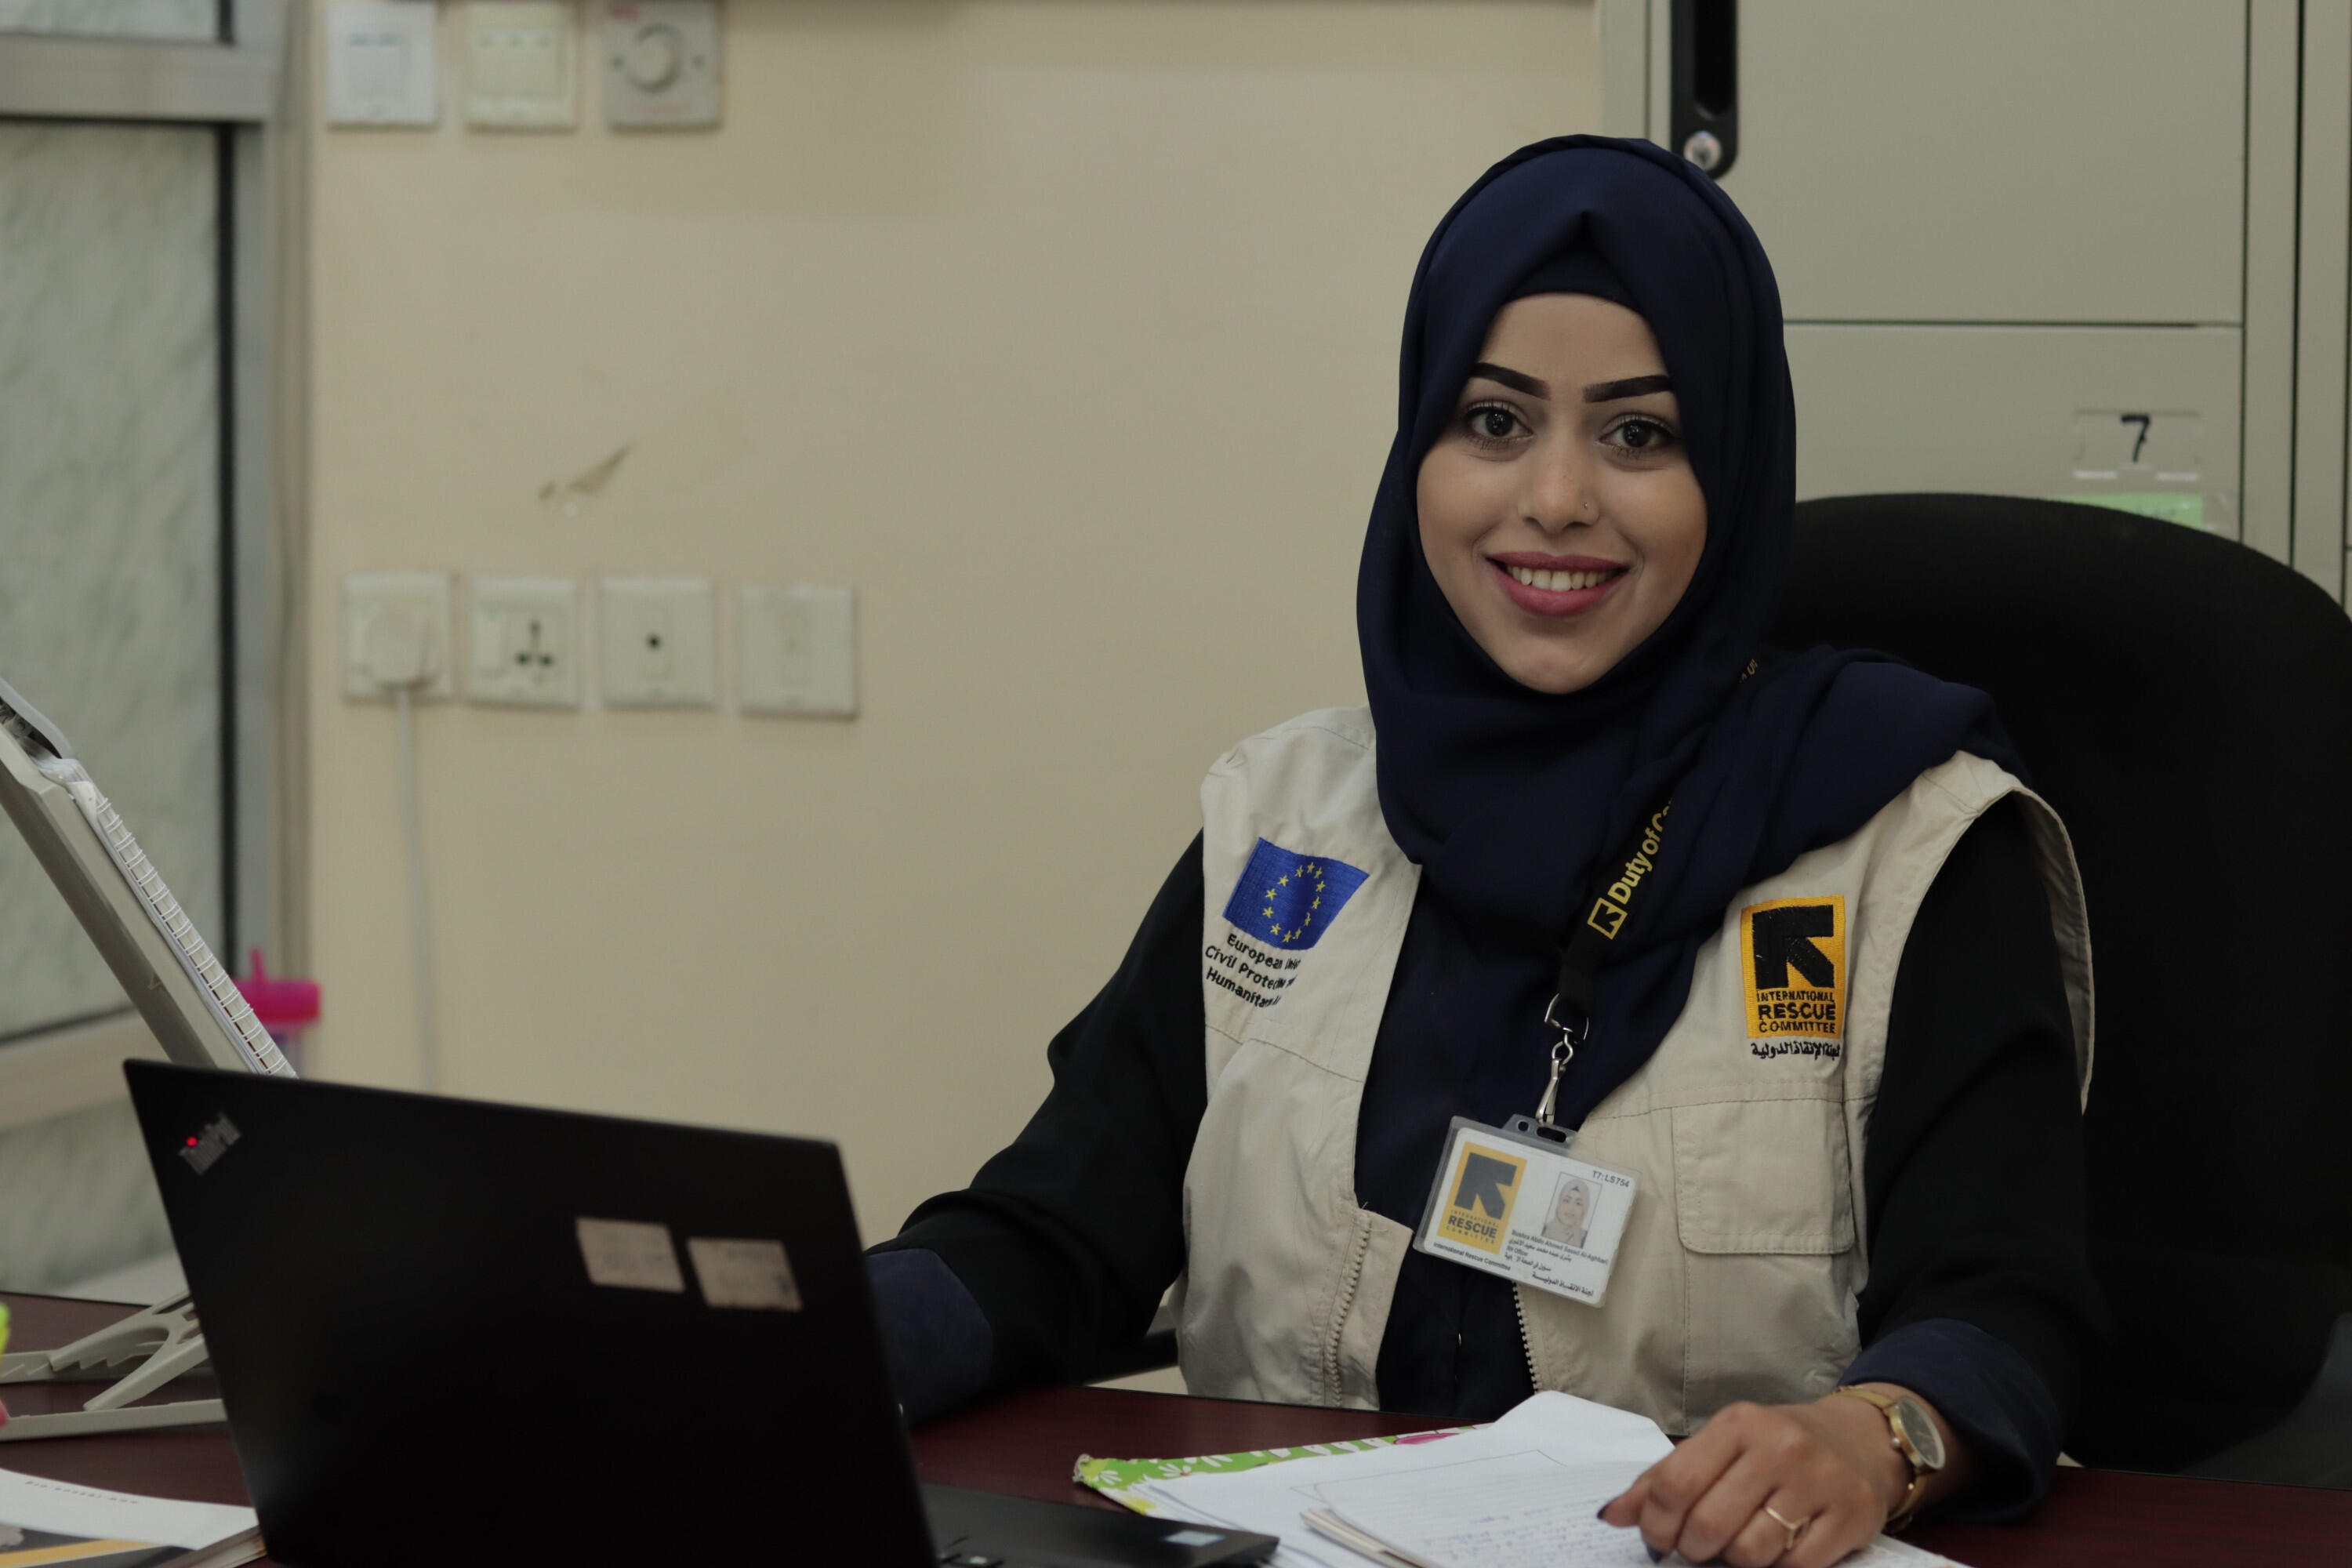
(1527, 1511)
(1518, 1510)
(1560, 1429)
(60, 1507)
(1568, 1454)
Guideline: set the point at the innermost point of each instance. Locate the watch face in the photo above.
(1919, 1430)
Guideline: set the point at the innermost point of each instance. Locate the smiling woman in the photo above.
(1783, 956)
(1563, 530)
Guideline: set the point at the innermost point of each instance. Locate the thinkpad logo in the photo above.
(200, 1151)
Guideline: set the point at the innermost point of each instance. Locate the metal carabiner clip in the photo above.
(1563, 1051)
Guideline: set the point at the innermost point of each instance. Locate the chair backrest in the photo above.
(2186, 704)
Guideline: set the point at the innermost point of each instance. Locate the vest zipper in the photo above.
(1526, 1345)
(1334, 1381)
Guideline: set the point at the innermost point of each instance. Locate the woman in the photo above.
(1572, 1212)
(1838, 1037)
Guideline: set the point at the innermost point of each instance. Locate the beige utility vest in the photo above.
(1743, 1258)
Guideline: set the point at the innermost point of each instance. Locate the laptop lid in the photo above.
(459, 1332)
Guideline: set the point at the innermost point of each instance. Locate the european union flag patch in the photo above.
(1290, 900)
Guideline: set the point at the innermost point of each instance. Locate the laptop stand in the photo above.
(163, 1340)
(188, 1000)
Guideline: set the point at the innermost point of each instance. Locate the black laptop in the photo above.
(454, 1332)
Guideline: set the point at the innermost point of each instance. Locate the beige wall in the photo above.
(1063, 331)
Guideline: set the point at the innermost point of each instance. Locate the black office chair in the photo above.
(2186, 704)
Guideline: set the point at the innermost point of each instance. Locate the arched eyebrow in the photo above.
(1631, 386)
(1517, 381)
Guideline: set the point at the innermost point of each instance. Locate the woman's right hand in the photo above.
(1826, 1468)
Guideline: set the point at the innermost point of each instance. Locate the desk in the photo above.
(1025, 1443)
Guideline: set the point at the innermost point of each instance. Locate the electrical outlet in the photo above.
(659, 650)
(368, 598)
(524, 647)
(796, 651)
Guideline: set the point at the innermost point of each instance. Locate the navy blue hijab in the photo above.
(1507, 797)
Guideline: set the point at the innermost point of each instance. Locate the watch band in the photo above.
(1900, 1441)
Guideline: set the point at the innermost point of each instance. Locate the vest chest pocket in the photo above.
(1763, 1176)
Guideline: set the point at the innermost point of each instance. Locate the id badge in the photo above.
(1511, 1201)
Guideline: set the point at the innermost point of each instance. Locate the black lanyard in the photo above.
(1617, 887)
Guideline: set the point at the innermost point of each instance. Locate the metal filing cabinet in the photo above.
(2093, 249)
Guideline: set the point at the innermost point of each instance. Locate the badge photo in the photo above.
(1507, 1201)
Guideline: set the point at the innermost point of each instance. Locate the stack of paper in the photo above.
(1521, 1493)
(47, 1521)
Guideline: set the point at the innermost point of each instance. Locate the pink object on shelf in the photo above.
(281, 1005)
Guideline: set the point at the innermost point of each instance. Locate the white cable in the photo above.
(420, 951)
(400, 658)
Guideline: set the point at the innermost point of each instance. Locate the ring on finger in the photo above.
(1795, 1527)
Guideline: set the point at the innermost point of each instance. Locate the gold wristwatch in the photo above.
(1914, 1436)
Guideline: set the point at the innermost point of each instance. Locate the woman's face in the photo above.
(1558, 511)
(1568, 1207)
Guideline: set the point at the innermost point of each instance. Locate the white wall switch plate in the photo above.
(660, 648)
(524, 647)
(795, 650)
(381, 64)
(661, 63)
(522, 65)
(370, 600)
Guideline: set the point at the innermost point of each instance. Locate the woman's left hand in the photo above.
(1827, 1469)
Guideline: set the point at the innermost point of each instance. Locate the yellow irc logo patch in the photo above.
(1793, 955)
(1479, 1194)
